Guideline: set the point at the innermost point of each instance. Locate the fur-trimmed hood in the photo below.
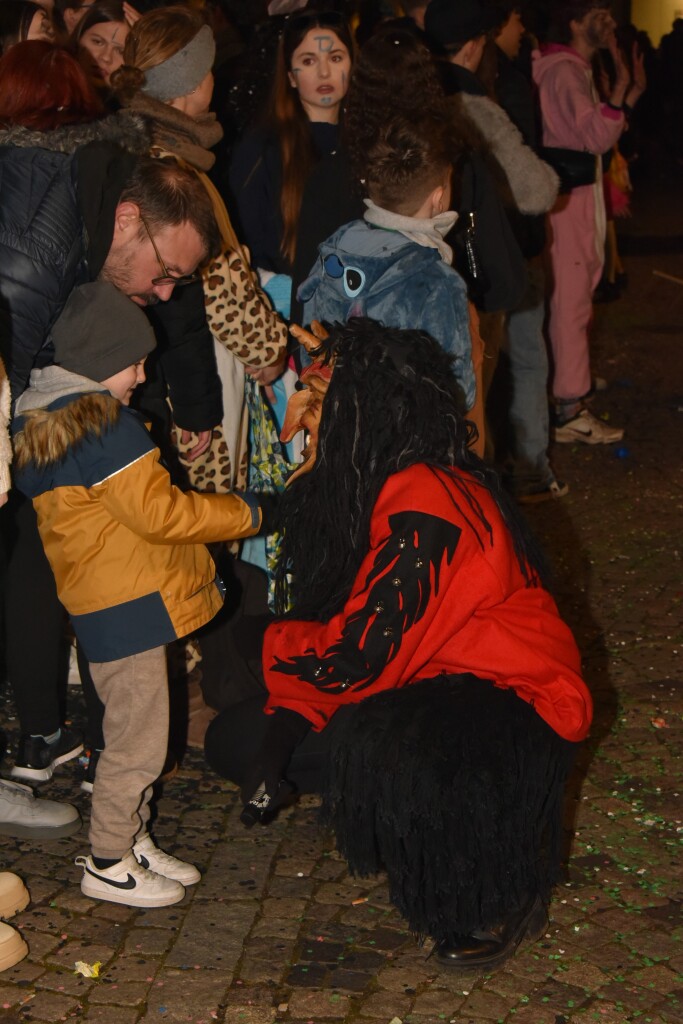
(56, 413)
(124, 128)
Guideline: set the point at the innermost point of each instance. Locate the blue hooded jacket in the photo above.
(363, 270)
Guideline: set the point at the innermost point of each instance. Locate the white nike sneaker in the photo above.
(588, 429)
(129, 883)
(150, 856)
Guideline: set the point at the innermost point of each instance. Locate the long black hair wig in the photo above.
(393, 402)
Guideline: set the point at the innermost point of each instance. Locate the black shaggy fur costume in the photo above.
(451, 785)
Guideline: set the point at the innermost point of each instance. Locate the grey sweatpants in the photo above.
(134, 692)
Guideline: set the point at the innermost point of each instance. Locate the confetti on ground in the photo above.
(356, 903)
(88, 970)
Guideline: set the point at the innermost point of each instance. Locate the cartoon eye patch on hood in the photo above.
(353, 278)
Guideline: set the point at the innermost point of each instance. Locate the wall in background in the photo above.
(656, 16)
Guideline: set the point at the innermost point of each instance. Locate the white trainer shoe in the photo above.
(150, 856)
(129, 883)
(588, 429)
(22, 815)
(14, 895)
(13, 949)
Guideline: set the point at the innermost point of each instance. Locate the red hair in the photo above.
(43, 87)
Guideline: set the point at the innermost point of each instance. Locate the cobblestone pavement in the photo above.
(278, 931)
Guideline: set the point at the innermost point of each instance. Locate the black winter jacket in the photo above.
(515, 95)
(58, 196)
(503, 268)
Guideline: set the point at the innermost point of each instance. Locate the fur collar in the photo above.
(125, 128)
(47, 435)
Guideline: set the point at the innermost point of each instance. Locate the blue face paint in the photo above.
(325, 100)
(325, 43)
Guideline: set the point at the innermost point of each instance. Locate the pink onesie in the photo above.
(574, 118)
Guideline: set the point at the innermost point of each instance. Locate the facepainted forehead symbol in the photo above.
(325, 43)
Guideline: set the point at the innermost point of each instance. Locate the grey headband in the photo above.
(182, 73)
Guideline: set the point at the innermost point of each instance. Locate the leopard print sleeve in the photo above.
(239, 313)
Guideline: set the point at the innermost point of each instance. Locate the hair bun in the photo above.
(126, 81)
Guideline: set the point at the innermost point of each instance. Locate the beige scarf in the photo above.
(429, 231)
(190, 138)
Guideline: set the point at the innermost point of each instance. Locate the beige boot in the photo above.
(13, 898)
(13, 949)
(13, 894)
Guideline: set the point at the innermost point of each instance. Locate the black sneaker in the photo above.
(89, 777)
(168, 772)
(37, 759)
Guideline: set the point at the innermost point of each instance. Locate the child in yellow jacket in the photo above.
(127, 550)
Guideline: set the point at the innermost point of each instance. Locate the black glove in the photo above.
(270, 512)
(266, 788)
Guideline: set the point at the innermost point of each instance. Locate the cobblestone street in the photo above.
(277, 931)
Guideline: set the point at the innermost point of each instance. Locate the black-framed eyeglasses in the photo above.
(168, 278)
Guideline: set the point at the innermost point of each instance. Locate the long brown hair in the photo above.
(288, 120)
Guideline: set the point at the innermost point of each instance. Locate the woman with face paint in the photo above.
(100, 36)
(272, 166)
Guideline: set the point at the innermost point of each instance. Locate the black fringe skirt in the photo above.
(454, 787)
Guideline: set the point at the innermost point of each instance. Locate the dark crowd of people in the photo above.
(294, 297)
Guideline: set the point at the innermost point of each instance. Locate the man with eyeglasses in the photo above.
(146, 226)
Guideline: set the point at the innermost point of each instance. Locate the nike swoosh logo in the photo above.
(130, 882)
(142, 861)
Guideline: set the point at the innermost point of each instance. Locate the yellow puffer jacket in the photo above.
(126, 546)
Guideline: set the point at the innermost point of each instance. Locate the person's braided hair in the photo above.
(393, 402)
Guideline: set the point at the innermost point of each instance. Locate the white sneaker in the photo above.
(150, 856)
(13, 949)
(588, 429)
(14, 895)
(129, 883)
(22, 815)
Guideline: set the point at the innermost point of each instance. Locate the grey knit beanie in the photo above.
(180, 74)
(101, 332)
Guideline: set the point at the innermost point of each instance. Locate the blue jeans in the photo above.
(529, 415)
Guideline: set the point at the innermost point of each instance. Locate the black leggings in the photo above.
(34, 625)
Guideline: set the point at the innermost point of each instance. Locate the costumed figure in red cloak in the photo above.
(421, 678)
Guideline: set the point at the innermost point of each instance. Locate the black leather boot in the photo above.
(491, 947)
